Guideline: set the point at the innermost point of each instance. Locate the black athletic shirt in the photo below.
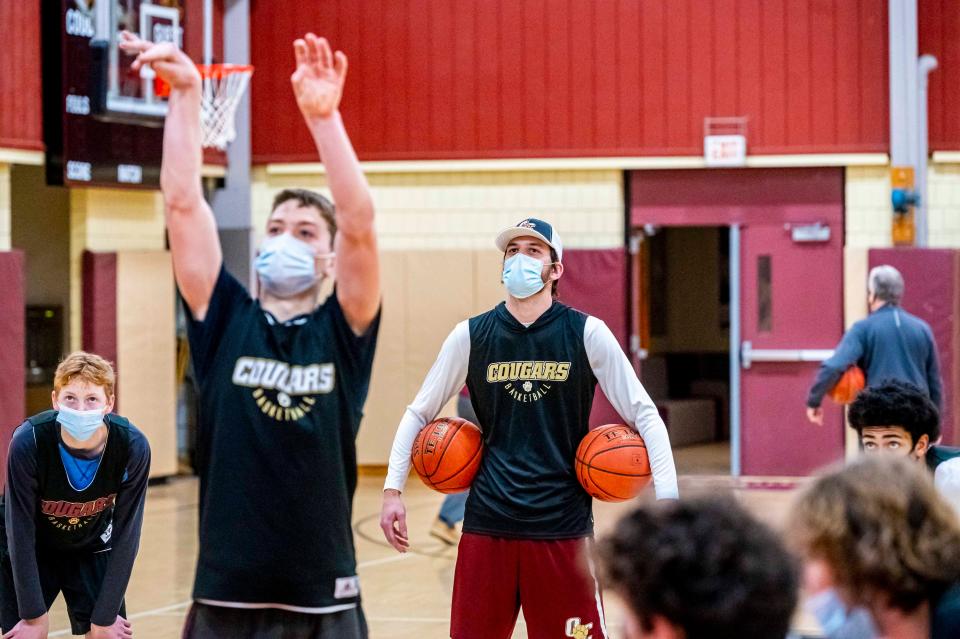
(280, 407)
(45, 514)
(945, 614)
(937, 455)
(532, 389)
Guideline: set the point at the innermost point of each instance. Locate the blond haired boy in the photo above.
(76, 483)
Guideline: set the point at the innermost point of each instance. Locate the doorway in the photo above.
(686, 345)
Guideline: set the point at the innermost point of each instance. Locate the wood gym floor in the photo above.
(405, 596)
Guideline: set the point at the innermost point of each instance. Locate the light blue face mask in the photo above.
(837, 620)
(522, 276)
(286, 265)
(80, 424)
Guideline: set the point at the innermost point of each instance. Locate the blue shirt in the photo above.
(889, 344)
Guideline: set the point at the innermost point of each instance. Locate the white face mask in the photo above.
(80, 424)
(522, 275)
(286, 265)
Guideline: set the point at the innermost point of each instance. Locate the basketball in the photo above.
(612, 463)
(849, 386)
(446, 454)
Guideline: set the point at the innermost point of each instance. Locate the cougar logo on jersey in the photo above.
(282, 391)
(578, 630)
(68, 515)
(526, 380)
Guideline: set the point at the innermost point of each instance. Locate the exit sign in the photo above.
(725, 150)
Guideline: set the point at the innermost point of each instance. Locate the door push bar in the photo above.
(749, 355)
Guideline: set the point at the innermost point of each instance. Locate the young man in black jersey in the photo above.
(531, 365)
(76, 484)
(899, 418)
(282, 378)
(896, 418)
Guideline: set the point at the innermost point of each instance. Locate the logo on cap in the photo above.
(526, 224)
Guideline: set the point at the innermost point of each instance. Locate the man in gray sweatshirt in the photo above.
(889, 344)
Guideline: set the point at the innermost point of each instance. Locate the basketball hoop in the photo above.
(223, 86)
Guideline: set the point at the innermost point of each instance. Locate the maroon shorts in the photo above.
(552, 581)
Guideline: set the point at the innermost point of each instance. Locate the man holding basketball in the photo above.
(531, 365)
(282, 378)
(889, 344)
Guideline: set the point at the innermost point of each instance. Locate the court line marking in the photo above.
(184, 604)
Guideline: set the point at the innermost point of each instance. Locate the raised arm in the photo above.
(619, 383)
(194, 243)
(318, 86)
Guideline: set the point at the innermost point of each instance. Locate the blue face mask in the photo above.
(286, 265)
(522, 276)
(80, 424)
(836, 619)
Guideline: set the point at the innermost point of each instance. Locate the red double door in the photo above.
(789, 226)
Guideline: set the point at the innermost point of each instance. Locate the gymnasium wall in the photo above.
(20, 95)
(12, 347)
(939, 34)
(434, 79)
(129, 318)
(869, 215)
(6, 211)
(109, 220)
(41, 228)
(439, 265)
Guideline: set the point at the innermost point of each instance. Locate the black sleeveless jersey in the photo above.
(280, 408)
(532, 389)
(70, 519)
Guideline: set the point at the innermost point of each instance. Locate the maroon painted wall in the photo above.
(932, 293)
(594, 281)
(13, 339)
(20, 96)
(724, 196)
(939, 33)
(500, 78)
(99, 294)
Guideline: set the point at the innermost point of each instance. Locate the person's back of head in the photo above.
(885, 284)
(887, 537)
(701, 568)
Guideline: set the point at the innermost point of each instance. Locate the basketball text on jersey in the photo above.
(574, 628)
(67, 515)
(282, 390)
(526, 380)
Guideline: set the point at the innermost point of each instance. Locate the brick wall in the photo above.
(439, 211)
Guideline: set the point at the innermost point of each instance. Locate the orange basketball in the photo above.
(849, 386)
(612, 463)
(446, 454)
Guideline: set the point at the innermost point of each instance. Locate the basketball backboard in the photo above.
(102, 120)
(119, 91)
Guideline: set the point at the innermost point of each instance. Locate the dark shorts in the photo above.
(552, 580)
(78, 576)
(218, 622)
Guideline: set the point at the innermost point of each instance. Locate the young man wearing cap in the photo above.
(531, 365)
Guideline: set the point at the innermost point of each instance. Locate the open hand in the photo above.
(172, 65)
(37, 628)
(393, 520)
(120, 629)
(319, 77)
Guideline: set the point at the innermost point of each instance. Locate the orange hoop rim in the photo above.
(217, 71)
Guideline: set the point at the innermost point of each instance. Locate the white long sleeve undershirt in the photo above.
(610, 365)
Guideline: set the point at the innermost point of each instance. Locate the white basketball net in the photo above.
(223, 86)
